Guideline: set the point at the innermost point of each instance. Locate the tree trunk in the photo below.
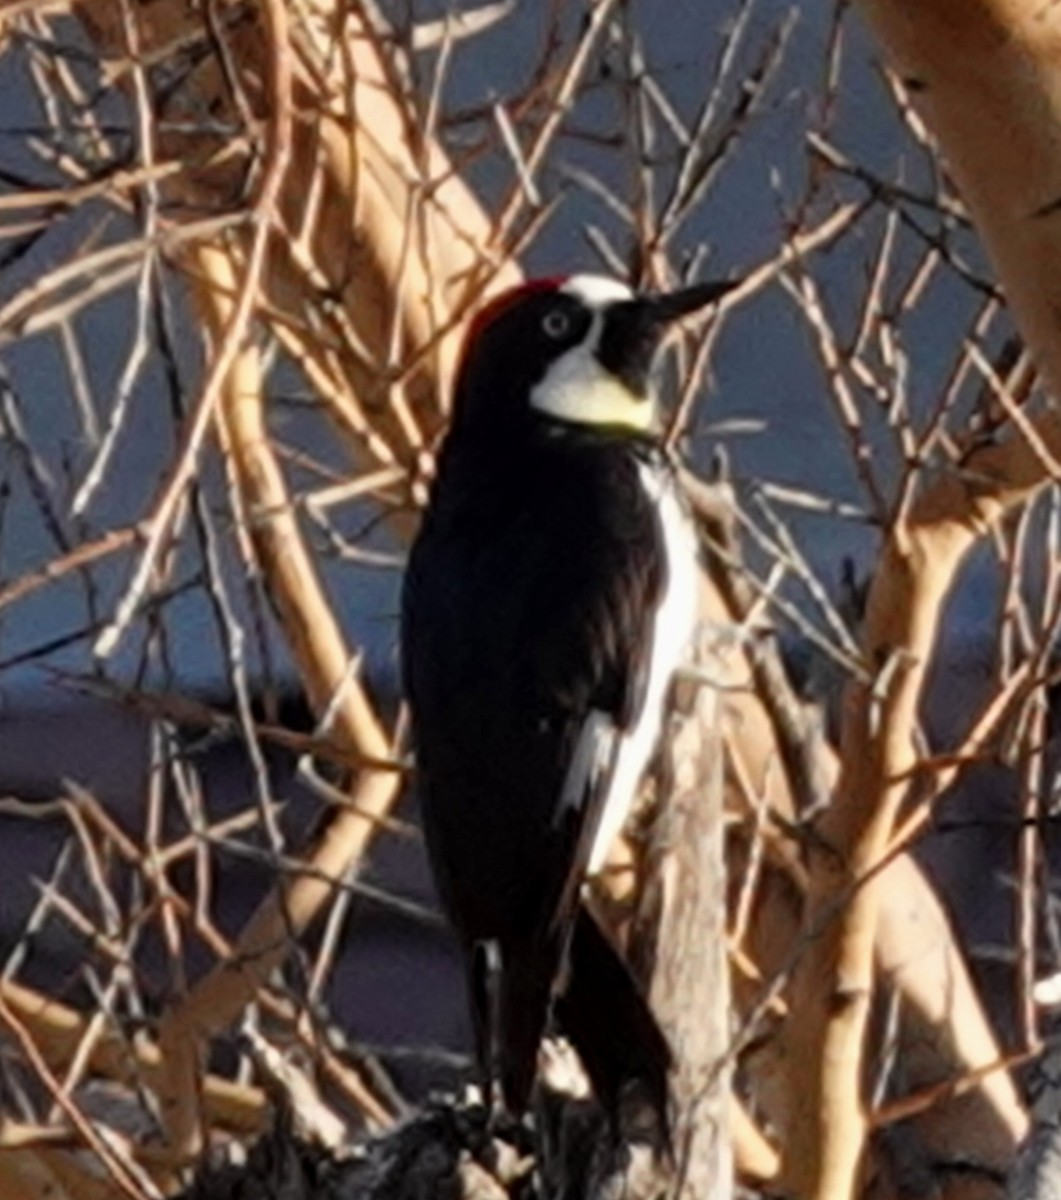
(679, 940)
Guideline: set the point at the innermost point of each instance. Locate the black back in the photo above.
(527, 603)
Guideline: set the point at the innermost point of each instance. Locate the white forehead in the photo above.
(595, 291)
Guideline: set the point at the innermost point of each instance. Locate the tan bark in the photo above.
(409, 252)
(984, 76)
(59, 1032)
(913, 945)
(679, 941)
(377, 246)
(383, 245)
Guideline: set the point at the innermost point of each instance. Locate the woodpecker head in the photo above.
(578, 350)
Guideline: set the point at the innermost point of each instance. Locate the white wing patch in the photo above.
(671, 634)
(591, 758)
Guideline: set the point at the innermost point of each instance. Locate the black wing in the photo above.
(527, 610)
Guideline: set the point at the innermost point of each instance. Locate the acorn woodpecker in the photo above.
(549, 598)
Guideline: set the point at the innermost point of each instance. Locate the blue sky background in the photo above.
(767, 407)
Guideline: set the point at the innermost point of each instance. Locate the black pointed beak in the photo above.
(672, 306)
(634, 329)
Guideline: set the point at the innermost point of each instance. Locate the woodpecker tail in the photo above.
(610, 1024)
(512, 984)
(602, 1012)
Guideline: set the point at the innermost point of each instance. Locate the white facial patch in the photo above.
(576, 387)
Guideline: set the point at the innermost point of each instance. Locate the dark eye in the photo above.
(556, 323)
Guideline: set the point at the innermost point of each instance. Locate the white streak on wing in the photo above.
(592, 754)
(671, 633)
